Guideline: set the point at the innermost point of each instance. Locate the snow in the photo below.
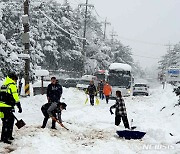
(24, 56)
(39, 83)
(92, 129)
(2, 38)
(41, 72)
(14, 56)
(1, 7)
(2, 52)
(88, 77)
(120, 67)
(140, 81)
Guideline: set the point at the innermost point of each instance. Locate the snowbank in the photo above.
(41, 72)
(92, 129)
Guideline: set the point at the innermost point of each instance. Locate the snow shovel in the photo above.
(19, 123)
(86, 100)
(97, 101)
(130, 134)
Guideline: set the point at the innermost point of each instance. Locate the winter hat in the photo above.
(63, 105)
(13, 76)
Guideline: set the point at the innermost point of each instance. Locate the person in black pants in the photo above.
(120, 112)
(100, 89)
(7, 129)
(50, 111)
(54, 92)
(9, 98)
(91, 90)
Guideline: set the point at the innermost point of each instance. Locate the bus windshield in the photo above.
(121, 79)
(100, 76)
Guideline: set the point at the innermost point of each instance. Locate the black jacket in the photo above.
(91, 90)
(52, 109)
(54, 92)
(120, 107)
(100, 86)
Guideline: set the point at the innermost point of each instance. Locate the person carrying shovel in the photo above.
(50, 111)
(9, 98)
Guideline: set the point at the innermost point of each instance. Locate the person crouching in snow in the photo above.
(120, 112)
(50, 111)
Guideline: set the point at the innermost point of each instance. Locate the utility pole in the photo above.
(113, 34)
(169, 45)
(105, 26)
(65, 1)
(84, 34)
(25, 41)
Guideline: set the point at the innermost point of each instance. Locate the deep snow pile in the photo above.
(92, 129)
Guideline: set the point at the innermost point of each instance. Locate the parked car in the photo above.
(141, 89)
(71, 82)
(85, 80)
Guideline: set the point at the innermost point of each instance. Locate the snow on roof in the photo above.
(41, 72)
(39, 83)
(88, 77)
(140, 81)
(120, 67)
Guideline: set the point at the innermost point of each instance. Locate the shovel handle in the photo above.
(15, 117)
(60, 124)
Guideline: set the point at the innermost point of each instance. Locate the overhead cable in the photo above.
(61, 27)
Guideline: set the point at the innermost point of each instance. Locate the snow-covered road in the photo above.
(92, 129)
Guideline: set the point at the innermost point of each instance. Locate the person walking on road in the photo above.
(107, 90)
(91, 90)
(9, 98)
(120, 111)
(100, 89)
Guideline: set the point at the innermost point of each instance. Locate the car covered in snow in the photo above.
(70, 82)
(141, 89)
(85, 80)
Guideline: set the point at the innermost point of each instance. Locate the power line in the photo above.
(145, 57)
(60, 26)
(143, 42)
(98, 14)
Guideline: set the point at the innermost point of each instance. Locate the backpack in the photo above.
(6, 97)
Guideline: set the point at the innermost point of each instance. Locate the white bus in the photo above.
(120, 78)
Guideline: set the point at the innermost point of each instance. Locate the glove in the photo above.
(111, 112)
(19, 107)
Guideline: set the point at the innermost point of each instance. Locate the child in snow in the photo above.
(50, 110)
(120, 112)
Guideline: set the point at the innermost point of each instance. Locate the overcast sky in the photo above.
(136, 22)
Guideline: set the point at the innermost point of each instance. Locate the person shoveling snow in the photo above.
(120, 112)
(49, 110)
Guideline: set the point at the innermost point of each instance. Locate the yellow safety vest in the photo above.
(11, 89)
